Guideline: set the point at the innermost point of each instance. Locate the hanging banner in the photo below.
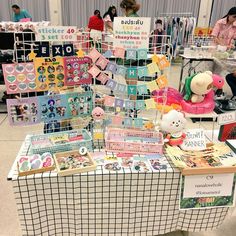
(55, 33)
(131, 32)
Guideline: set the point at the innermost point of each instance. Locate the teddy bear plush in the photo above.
(197, 86)
(172, 124)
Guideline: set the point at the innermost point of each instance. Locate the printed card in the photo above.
(76, 71)
(23, 111)
(19, 78)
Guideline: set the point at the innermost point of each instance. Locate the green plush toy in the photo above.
(197, 86)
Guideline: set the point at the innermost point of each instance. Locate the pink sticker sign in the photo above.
(19, 78)
(76, 71)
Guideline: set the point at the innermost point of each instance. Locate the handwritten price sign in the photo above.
(56, 33)
(227, 118)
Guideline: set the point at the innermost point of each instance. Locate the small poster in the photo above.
(76, 71)
(55, 33)
(131, 32)
(19, 78)
(52, 107)
(79, 104)
(207, 191)
(23, 111)
(49, 73)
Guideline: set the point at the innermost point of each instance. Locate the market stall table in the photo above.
(106, 203)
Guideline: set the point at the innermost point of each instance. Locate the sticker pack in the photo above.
(19, 78)
(49, 73)
(76, 71)
(23, 111)
(28, 111)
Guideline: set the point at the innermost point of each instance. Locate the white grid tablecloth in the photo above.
(104, 203)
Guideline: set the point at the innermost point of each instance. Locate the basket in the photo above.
(134, 141)
(61, 141)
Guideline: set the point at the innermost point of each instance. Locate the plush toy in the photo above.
(98, 113)
(173, 124)
(197, 86)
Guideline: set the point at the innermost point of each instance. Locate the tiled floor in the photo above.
(10, 141)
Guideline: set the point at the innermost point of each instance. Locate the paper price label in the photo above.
(227, 118)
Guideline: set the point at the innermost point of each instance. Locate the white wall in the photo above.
(55, 12)
(204, 13)
(203, 18)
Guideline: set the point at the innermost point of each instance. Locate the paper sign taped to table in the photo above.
(207, 191)
(194, 141)
(55, 33)
(208, 185)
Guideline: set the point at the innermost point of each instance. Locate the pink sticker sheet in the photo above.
(23, 111)
(19, 78)
(76, 71)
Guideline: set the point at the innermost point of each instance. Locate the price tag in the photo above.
(227, 118)
(56, 33)
(83, 151)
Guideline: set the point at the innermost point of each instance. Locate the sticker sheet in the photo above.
(52, 107)
(79, 104)
(19, 78)
(23, 111)
(50, 73)
(76, 71)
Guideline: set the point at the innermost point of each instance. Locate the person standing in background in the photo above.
(96, 22)
(130, 8)
(96, 27)
(19, 14)
(108, 18)
(224, 33)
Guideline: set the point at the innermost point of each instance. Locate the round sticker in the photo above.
(41, 70)
(51, 77)
(51, 85)
(22, 86)
(31, 76)
(20, 68)
(9, 69)
(51, 69)
(83, 151)
(60, 84)
(76, 65)
(29, 67)
(43, 86)
(60, 68)
(42, 78)
(60, 76)
(21, 77)
(11, 78)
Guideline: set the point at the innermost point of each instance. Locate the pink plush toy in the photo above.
(218, 81)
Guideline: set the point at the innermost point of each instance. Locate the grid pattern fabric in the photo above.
(105, 203)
